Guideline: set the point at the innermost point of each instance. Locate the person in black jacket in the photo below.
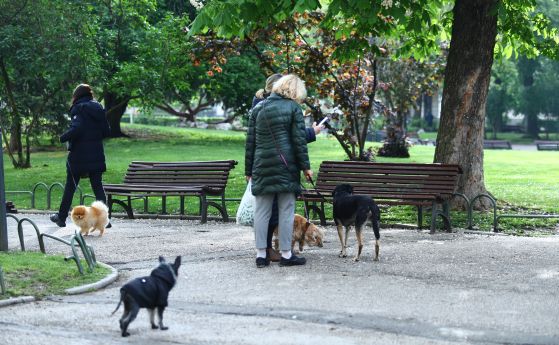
(310, 135)
(86, 156)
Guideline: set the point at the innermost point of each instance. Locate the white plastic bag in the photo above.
(245, 213)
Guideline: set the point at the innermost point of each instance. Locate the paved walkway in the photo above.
(427, 289)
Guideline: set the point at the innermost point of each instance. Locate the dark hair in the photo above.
(82, 90)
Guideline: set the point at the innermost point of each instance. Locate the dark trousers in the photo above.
(274, 221)
(69, 189)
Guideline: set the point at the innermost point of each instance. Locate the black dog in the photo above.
(148, 292)
(355, 210)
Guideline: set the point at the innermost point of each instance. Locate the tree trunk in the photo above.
(115, 107)
(532, 128)
(467, 76)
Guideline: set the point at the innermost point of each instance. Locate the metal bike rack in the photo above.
(471, 207)
(48, 189)
(76, 240)
(2, 283)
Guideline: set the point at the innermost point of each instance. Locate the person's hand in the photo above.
(308, 174)
(316, 128)
(247, 178)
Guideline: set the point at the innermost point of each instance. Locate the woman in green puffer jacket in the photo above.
(276, 153)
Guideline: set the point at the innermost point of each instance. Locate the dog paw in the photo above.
(375, 259)
(355, 259)
(154, 327)
(125, 334)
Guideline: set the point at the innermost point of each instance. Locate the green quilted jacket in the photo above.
(262, 161)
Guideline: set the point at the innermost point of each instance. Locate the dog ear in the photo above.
(161, 259)
(178, 261)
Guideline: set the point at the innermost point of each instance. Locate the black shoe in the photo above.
(109, 226)
(262, 262)
(292, 261)
(56, 219)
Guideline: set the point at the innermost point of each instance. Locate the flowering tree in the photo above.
(340, 88)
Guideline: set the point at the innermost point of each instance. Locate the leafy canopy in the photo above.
(420, 25)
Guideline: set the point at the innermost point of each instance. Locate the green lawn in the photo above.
(528, 179)
(37, 274)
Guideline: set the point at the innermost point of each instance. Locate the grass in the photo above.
(39, 275)
(526, 181)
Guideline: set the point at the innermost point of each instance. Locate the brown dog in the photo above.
(89, 219)
(303, 231)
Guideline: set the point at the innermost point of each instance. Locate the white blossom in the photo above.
(198, 4)
(386, 3)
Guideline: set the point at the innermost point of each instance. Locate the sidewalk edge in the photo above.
(97, 285)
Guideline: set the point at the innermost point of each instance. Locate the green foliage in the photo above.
(503, 94)
(39, 275)
(117, 29)
(525, 30)
(41, 56)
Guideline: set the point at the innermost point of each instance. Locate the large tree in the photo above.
(477, 25)
(40, 59)
(117, 28)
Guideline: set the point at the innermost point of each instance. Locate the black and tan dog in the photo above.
(149, 292)
(350, 209)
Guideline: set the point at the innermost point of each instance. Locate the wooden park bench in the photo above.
(547, 145)
(180, 179)
(497, 144)
(388, 184)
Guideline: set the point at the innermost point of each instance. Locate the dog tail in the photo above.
(122, 294)
(373, 207)
(98, 204)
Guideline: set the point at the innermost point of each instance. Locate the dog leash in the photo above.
(316, 190)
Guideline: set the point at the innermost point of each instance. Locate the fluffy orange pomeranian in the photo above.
(89, 219)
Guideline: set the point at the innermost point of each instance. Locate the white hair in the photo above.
(291, 86)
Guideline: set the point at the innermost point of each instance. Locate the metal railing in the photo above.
(49, 191)
(76, 241)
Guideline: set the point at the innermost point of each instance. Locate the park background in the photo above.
(167, 70)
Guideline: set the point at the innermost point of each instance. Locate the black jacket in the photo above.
(85, 136)
(152, 291)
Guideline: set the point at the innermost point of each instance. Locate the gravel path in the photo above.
(427, 289)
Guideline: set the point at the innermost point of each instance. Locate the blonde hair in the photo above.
(269, 84)
(291, 86)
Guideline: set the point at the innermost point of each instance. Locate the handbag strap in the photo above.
(283, 159)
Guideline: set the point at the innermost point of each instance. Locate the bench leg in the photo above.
(110, 204)
(182, 205)
(224, 213)
(203, 209)
(126, 207)
(146, 207)
(419, 217)
(164, 205)
(446, 216)
(433, 217)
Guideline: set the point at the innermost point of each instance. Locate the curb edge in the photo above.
(97, 285)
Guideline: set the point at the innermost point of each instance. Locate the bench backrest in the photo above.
(390, 180)
(213, 174)
(497, 144)
(547, 145)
